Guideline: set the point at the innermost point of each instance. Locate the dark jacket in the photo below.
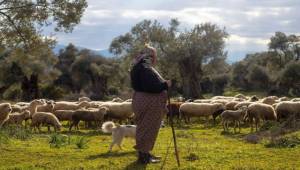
(144, 79)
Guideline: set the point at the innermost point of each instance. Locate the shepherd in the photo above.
(148, 102)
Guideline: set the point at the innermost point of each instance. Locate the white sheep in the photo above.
(45, 118)
(47, 107)
(117, 99)
(64, 105)
(242, 104)
(287, 108)
(235, 116)
(231, 105)
(119, 111)
(260, 111)
(269, 100)
(18, 118)
(295, 100)
(241, 96)
(188, 110)
(202, 101)
(5, 110)
(81, 99)
(33, 106)
(222, 98)
(128, 100)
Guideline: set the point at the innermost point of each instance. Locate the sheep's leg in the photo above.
(251, 124)
(239, 125)
(223, 125)
(111, 146)
(256, 124)
(77, 125)
(48, 128)
(39, 128)
(70, 128)
(234, 126)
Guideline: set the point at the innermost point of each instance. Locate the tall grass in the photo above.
(58, 140)
(17, 132)
(82, 142)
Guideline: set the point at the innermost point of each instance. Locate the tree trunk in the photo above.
(30, 88)
(191, 79)
(99, 87)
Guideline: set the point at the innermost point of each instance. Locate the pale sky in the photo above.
(250, 23)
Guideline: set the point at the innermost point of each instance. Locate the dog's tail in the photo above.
(108, 127)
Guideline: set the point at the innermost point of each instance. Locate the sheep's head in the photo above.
(84, 104)
(103, 110)
(5, 108)
(26, 114)
(117, 100)
(218, 109)
(254, 99)
(37, 102)
(50, 105)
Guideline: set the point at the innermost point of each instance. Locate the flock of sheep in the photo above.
(50, 113)
(241, 108)
(230, 109)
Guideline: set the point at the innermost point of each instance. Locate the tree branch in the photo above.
(15, 27)
(2, 2)
(24, 6)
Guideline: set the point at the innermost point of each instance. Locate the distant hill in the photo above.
(104, 52)
(233, 56)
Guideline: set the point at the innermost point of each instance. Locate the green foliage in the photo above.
(4, 138)
(290, 77)
(219, 83)
(181, 55)
(13, 92)
(213, 151)
(284, 142)
(21, 22)
(82, 142)
(270, 125)
(17, 132)
(57, 140)
(50, 91)
(258, 77)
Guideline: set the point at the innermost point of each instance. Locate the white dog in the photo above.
(118, 132)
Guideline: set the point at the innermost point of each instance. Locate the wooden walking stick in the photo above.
(173, 130)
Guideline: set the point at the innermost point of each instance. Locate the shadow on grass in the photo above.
(110, 154)
(231, 134)
(85, 133)
(136, 166)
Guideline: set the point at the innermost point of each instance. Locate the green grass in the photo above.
(200, 147)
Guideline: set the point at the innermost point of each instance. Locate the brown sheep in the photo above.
(18, 118)
(96, 115)
(174, 107)
(260, 111)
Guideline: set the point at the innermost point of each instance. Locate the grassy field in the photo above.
(201, 147)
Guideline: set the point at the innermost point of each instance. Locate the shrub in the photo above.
(4, 139)
(82, 142)
(52, 92)
(13, 92)
(270, 125)
(284, 142)
(17, 132)
(58, 140)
